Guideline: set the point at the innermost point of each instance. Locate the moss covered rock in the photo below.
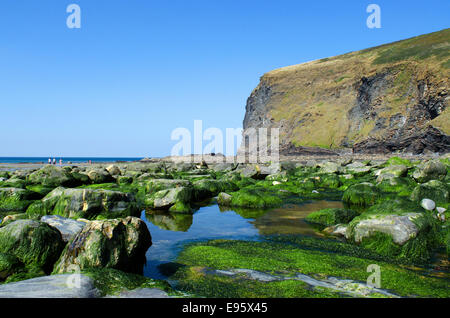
(433, 190)
(175, 199)
(329, 217)
(9, 264)
(115, 243)
(34, 243)
(363, 194)
(259, 198)
(51, 176)
(14, 199)
(208, 188)
(86, 203)
(430, 170)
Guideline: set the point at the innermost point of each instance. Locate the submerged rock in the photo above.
(118, 243)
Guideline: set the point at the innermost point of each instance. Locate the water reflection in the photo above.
(176, 222)
(290, 219)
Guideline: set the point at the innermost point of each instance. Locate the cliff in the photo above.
(391, 98)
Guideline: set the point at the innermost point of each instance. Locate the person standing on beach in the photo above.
(54, 161)
(49, 161)
(60, 162)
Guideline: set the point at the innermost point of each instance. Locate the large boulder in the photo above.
(403, 235)
(391, 172)
(117, 243)
(14, 199)
(54, 286)
(175, 199)
(86, 203)
(113, 170)
(430, 170)
(100, 176)
(68, 228)
(330, 167)
(51, 176)
(34, 243)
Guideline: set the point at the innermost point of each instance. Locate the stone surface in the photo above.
(431, 170)
(400, 227)
(67, 227)
(428, 204)
(55, 286)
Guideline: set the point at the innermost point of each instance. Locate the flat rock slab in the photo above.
(142, 293)
(67, 227)
(54, 286)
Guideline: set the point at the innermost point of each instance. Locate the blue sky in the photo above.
(138, 69)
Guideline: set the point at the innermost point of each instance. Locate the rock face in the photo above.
(34, 243)
(118, 243)
(380, 100)
(55, 286)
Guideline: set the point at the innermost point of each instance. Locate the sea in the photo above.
(66, 159)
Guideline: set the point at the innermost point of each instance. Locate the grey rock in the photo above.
(428, 204)
(67, 227)
(55, 286)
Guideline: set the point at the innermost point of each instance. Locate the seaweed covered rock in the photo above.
(14, 199)
(34, 243)
(330, 167)
(175, 199)
(208, 188)
(363, 194)
(430, 170)
(155, 185)
(51, 176)
(9, 265)
(86, 203)
(13, 183)
(99, 176)
(398, 229)
(115, 243)
(391, 171)
(433, 190)
(224, 199)
(329, 217)
(258, 198)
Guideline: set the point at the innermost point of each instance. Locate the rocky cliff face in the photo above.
(392, 98)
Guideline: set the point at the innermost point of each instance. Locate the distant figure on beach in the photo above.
(60, 162)
(54, 161)
(90, 162)
(49, 161)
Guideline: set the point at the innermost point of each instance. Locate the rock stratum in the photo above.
(390, 98)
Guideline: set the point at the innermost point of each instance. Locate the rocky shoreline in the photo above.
(85, 219)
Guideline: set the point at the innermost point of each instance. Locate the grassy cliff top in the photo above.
(321, 93)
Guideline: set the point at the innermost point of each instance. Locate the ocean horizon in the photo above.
(67, 159)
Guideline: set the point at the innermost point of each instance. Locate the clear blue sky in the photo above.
(137, 69)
